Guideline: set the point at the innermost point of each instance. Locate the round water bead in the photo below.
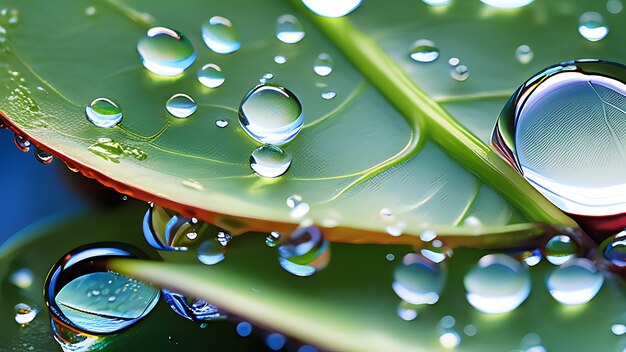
(103, 112)
(21, 143)
(270, 161)
(460, 73)
(524, 54)
(614, 6)
(211, 252)
(417, 280)
(220, 35)
(332, 8)
(424, 50)
(43, 156)
(244, 329)
(507, 4)
(406, 312)
(24, 314)
(560, 249)
(449, 339)
(592, 26)
(211, 76)
(168, 232)
(279, 59)
(192, 309)
(564, 131)
(271, 114)
(79, 288)
(305, 252)
(289, 30)
(166, 52)
(575, 282)
(328, 94)
(323, 65)
(614, 250)
(497, 284)
(181, 106)
(221, 123)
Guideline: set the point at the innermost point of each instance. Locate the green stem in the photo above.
(422, 112)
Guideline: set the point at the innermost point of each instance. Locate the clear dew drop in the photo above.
(436, 251)
(165, 52)
(21, 143)
(560, 249)
(575, 282)
(417, 280)
(273, 239)
(305, 252)
(524, 54)
(614, 250)
(497, 284)
(275, 341)
(453, 62)
(390, 257)
(618, 329)
(268, 76)
(270, 161)
(614, 6)
(323, 65)
(181, 106)
(424, 50)
(332, 8)
(271, 114)
(289, 30)
(244, 329)
(24, 314)
(191, 308)
(460, 73)
(43, 156)
(428, 235)
(449, 339)
(211, 252)
(193, 184)
(328, 94)
(299, 209)
(531, 257)
(103, 112)
(279, 59)
(22, 278)
(406, 313)
(592, 26)
(437, 2)
(221, 123)
(220, 35)
(76, 288)
(507, 4)
(211, 76)
(90, 11)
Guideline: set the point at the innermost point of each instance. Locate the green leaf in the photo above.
(384, 142)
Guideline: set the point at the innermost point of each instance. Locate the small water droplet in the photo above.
(418, 280)
(470, 330)
(323, 65)
(293, 200)
(3, 35)
(575, 282)
(531, 258)
(436, 251)
(211, 76)
(192, 235)
(614, 6)
(305, 252)
(21, 143)
(524, 54)
(268, 76)
(279, 59)
(289, 30)
(328, 95)
(103, 112)
(43, 156)
(181, 106)
(428, 235)
(406, 313)
(165, 52)
(244, 329)
(447, 322)
(220, 35)
(275, 341)
(449, 339)
(193, 184)
(162, 230)
(24, 314)
(424, 50)
(507, 4)
(395, 229)
(460, 73)
(454, 62)
(618, 329)
(390, 257)
(332, 8)
(436, 2)
(14, 17)
(560, 249)
(497, 284)
(273, 239)
(22, 278)
(270, 161)
(211, 252)
(615, 250)
(221, 123)
(224, 237)
(592, 26)
(191, 308)
(90, 11)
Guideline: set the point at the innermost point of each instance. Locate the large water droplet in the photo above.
(24, 314)
(211, 252)
(332, 8)
(76, 285)
(592, 26)
(305, 252)
(417, 280)
(424, 50)
(165, 52)
(507, 4)
(323, 65)
(220, 35)
(575, 282)
(211, 76)
(497, 284)
(271, 114)
(181, 105)
(102, 112)
(560, 249)
(524, 54)
(564, 131)
(192, 309)
(270, 161)
(289, 29)
(615, 250)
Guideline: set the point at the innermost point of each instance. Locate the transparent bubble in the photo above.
(328, 94)
(524, 54)
(323, 65)
(436, 251)
(220, 35)
(560, 249)
(460, 73)
(24, 314)
(270, 161)
(418, 280)
(181, 106)
(211, 252)
(406, 313)
(424, 50)
(273, 239)
(103, 112)
(289, 30)
(211, 76)
(592, 26)
(221, 123)
(618, 329)
(332, 8)
(279, 59)
(166, 52)
(531, 257)
(305, 252)
(575, 282)
(191, 309)
(507, 4)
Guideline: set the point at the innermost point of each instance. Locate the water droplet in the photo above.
(192, 235)
(22, 278)
(43, 156)
(436, 251)
(103, 112)
(615, 250)
(390, 257)
(211, 252)
(449, 339)
(289, 30)
(275, 341)
(418, 280)
(406, 313)
(497, 284)
(575, 282)
(24, 313)
(220, 35)
(293, 200)
(165, 52)
(524, 54)
(14, 17)
(328, 95)
(84, 270)
(163, 231)
(592, 26)
(428, 235)
(192, 309)
(90, 11)
(305, 252)
(193, 184)
(560, 249)
(323, 65)
(112, 150)
(244, 329)
(279, 59)
(470, 330)
(580, 164)
(332, 8)
(618, 329)
(460, 73)
(273, 239)
(21, 143)
(454, 62)
(531, 258)
(211, 76)
(270, 161)
(266, 77)
(614, 6)
(181, 106)
(3, 36)
(436, 2)
(424, 50)
(221, 123)
(507, 4)
(447, 322)
(224, 237)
